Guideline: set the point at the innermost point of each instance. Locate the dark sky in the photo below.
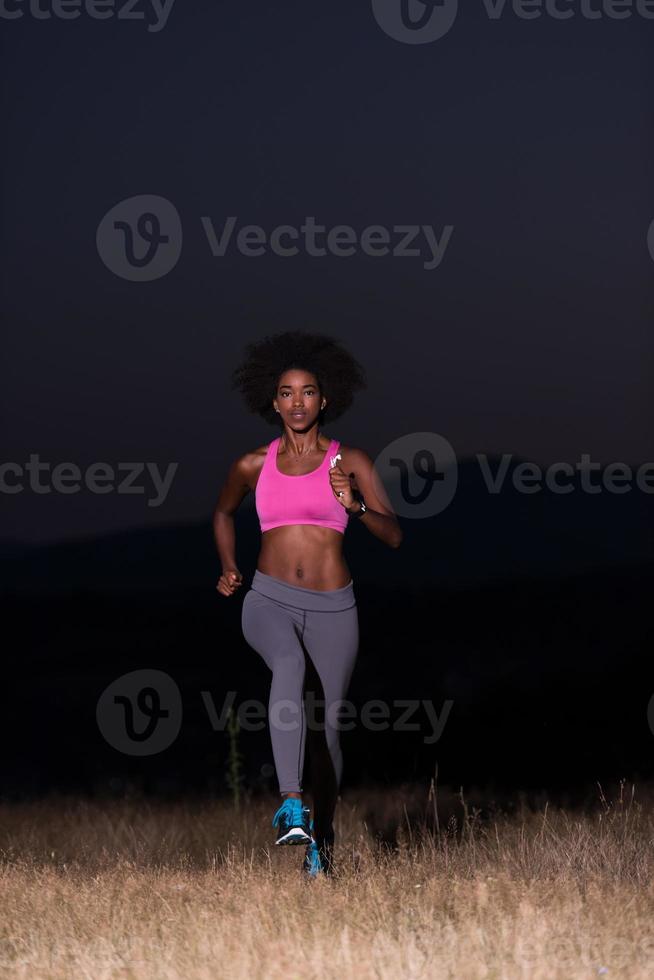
(531, 138)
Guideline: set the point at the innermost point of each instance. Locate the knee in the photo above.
(289, 667)
(285, 715)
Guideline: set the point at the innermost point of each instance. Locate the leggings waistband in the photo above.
(318, 600)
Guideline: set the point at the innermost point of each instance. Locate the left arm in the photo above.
(355, 470)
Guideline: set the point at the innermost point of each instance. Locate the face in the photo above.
(298, 398)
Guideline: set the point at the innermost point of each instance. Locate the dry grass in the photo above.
(133, 889)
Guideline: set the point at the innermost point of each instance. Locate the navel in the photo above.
(299, 571)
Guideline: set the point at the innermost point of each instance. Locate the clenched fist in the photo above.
(229, 581)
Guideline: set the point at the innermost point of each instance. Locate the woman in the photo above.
(300, 613)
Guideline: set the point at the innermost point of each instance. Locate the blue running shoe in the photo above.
(312, 864)
(319, 858)
(292, 821)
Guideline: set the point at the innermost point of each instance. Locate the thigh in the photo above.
(332, 641)
(270, 628)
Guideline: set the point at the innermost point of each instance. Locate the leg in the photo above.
(272, 630)
(322, 771)
(331, 640)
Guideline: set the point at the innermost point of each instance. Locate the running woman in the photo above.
(300, 613)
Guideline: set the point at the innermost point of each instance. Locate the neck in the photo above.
(301, 443)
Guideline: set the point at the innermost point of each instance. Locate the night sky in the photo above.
(146, 158)
(530, 138)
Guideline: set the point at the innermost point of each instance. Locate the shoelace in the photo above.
(312, 860)
(292, 807)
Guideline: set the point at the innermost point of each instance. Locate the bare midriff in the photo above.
(306, 555)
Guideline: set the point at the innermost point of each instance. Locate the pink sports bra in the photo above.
(304, 499)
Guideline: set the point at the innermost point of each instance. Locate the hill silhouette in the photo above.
(529, 614)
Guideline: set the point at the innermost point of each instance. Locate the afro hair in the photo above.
(337, 372)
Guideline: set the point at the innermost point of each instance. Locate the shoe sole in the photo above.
(295, 836)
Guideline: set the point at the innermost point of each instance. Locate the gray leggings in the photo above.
(283, 622)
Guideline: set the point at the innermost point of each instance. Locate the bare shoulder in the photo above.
(354, 459)
(257, 454)
(241, 479)
(250, 463)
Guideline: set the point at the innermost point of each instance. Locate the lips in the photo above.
(298, 415)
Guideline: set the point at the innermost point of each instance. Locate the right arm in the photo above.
(235, 488)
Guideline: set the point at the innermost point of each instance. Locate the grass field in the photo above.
(429, 885)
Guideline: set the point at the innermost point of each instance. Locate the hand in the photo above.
(341, 484)
(229, 581)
